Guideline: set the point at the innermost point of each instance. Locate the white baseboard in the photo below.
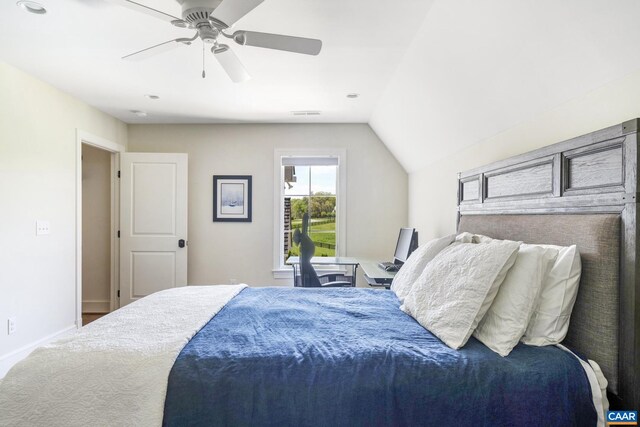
(96, 306)
(10, 359)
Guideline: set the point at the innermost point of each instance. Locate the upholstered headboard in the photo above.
(583, 192)
(594, 323)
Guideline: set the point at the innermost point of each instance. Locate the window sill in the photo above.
(283, 273)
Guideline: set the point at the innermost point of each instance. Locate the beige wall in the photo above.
(218, 252)
(433, 191)
(96, 230)
(38, 182)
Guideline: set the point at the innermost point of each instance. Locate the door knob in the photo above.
(181, 243)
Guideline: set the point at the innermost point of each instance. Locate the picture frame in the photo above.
(232, 198)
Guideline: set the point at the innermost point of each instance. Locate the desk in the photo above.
(325, 260)
(376, 276)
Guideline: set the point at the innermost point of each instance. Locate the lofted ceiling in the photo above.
(477, 68)
(78, 44)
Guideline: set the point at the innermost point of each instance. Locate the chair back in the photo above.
(308, 276)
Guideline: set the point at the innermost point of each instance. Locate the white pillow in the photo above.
(550, 320)
(478, 238)
(507, 318)
(465, 237)
(415, 264)
(457, 287)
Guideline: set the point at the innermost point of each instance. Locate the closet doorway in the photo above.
(96, 232)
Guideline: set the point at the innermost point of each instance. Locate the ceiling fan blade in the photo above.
(157, 49)
(139, 7)
(231, 64)
(231, 11)
(278, 42)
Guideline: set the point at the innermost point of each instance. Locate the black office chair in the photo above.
(308, 276)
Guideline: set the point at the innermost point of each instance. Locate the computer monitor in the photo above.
(407, 243)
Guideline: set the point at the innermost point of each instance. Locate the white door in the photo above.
(153, 223)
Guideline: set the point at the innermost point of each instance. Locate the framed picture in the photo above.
(232, 198)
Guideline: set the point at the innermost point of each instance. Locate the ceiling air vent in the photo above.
(306, 113)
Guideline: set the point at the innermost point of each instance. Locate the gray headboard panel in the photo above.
(583, 191)
(594, 326)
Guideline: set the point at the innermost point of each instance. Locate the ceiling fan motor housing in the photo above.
(197, 11)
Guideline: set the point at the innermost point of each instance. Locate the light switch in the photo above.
(42, 228)
(11, 325)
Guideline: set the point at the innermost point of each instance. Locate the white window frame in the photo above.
(281, 271)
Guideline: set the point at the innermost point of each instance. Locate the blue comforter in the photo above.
(350, 357)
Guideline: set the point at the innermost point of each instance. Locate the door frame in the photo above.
(115, 149)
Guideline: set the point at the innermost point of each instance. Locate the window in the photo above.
(310, 182)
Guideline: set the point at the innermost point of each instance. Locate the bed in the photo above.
(232, 355)
(581, 191)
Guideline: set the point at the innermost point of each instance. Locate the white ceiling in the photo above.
(78, 44)
(477, 68)
(435, 76)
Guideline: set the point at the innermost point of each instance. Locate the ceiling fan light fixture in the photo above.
(32, 7)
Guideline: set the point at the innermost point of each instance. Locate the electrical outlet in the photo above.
(11, 325)
(42, 228)
(233, 281)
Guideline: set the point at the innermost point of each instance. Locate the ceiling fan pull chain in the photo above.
(203, 73)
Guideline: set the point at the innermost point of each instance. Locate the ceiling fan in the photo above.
(211, 19)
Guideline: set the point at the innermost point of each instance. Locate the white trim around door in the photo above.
(115, 149)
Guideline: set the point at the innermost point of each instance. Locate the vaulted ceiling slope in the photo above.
(77, 47)
(477, 68)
